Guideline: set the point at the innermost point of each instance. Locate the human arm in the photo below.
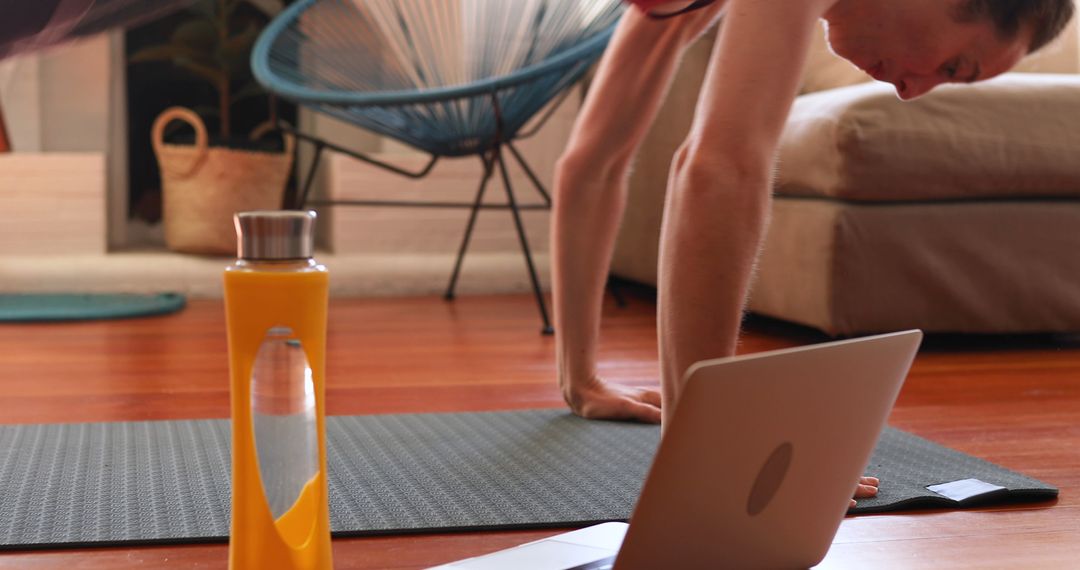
(719, 189)
(590, 191)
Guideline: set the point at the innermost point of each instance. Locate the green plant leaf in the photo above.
(270, 8)
(250, 90)
(236, 51)
(243, 41)
(214, 76)
(206, 111)
(204, 8)
(199, 36)
(166, 52)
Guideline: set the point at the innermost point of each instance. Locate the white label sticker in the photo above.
(964, 489)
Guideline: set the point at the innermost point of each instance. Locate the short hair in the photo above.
(1047, 18)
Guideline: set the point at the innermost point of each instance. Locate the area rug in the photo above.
(168, 481)
(30, 307)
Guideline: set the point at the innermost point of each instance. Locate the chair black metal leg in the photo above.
(310, 178)
(529, 172)
(449, 295)
(616, 293)
(524, 243)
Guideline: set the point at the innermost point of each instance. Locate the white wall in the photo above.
(1061, 56)
(21, 102)
(59, 100)
(69, 99)
(388, 230)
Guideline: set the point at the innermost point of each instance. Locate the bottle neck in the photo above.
(283, 265)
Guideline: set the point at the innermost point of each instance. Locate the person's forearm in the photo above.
(582, 244)
(719, 190)
(713, 226)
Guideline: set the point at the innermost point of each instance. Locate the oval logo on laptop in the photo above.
(769, 478)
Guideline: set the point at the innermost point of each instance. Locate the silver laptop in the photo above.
(755, 470)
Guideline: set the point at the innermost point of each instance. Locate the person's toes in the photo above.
(645, 412)
(651, 397)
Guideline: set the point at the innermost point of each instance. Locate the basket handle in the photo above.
(269, 125)
(201, 142)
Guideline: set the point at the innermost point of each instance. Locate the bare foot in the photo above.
(867, 487)
(602, 400)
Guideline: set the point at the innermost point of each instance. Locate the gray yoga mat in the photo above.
(168, 481)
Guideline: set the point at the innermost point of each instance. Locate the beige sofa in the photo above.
(959, 212)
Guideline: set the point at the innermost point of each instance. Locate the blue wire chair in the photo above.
(452, 78)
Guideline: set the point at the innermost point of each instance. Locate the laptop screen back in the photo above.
(763, 454)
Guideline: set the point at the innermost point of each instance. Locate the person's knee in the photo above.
(725, 164)
(705, 179)
(585, 174)
(590, 161)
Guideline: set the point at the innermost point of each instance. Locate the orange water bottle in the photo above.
(275, 309)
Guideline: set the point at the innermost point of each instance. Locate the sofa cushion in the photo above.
(1013, 136)
(960, 267)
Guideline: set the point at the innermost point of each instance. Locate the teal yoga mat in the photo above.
(48, 307)
(168, 481)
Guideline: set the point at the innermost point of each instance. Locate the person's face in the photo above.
(918, 44)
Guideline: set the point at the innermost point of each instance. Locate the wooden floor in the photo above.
(1014, 401)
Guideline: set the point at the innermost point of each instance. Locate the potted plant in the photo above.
(204, 183)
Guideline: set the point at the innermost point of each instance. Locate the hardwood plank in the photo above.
(1000, 550)
(1012, 400)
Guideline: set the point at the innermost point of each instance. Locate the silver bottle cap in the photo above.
(275, 234)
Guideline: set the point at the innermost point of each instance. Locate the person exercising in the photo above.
(718, 190)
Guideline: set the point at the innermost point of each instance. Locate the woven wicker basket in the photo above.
(203, 186)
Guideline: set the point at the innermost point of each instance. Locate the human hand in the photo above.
(867, 487)
(602, 400)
